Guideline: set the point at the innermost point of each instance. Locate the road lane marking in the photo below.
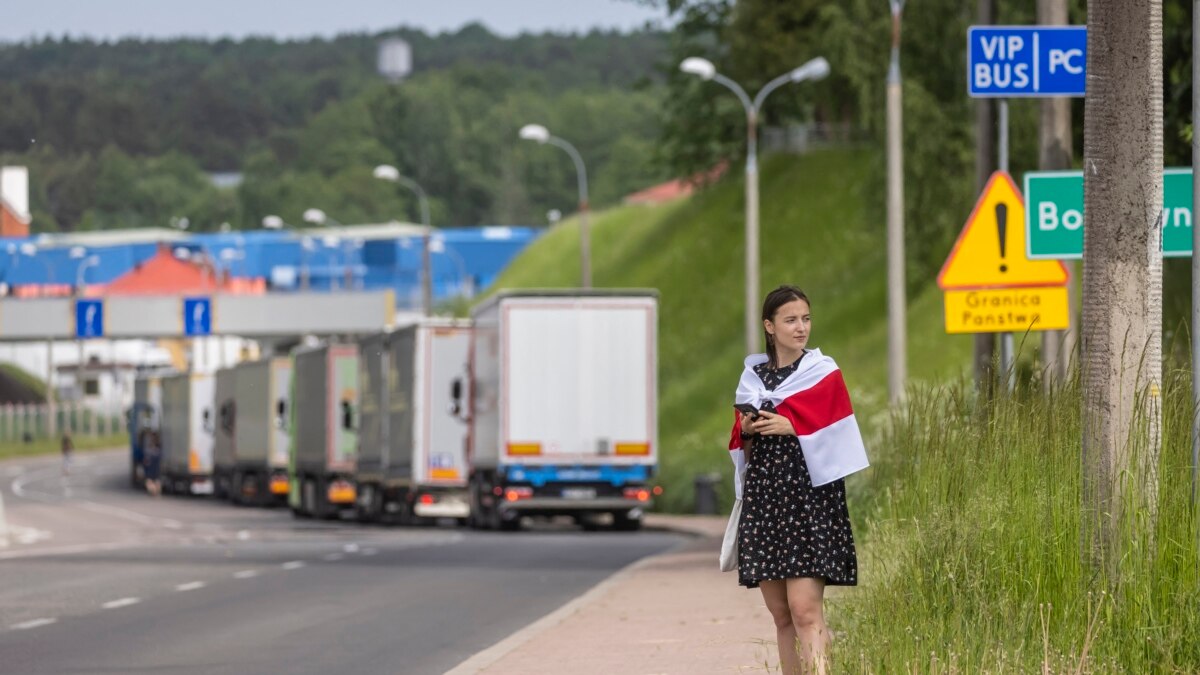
(292, 565)
(36, 623)
(245, 574)
(350, 548)
(123, 602)
(334, 557)
(190, 586)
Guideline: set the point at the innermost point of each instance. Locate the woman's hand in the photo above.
(746, 422)
(770, 424)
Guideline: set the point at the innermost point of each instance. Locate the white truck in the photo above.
(263, 430)
(253, 431)
(323, 453)
(412, 459)
(187, 433)
(564, 409)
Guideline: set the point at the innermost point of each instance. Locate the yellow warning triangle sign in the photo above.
(990, 251)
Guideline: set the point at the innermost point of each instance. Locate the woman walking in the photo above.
(794, 439)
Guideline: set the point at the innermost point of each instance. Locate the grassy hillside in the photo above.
(816, 233)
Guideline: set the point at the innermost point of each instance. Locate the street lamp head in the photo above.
(77, 252)
(553, 215)
(183, 253)
(815, 69)
(387, 172)
(534, 132)
(272, 222)
(700, 67)
(28, 248)
(315, 216)
(331, 241)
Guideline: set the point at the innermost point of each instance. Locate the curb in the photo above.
(3, 525)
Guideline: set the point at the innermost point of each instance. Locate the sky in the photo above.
(111, 19)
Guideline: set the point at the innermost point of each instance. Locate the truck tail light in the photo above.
(632, 448)
(428, 499)
(341, 492)
(639, 493)
(513, 494)
(524, 448)
(279, 484)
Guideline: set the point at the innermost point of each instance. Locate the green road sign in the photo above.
(1054, 214)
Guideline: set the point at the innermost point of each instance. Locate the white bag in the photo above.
(729, 545)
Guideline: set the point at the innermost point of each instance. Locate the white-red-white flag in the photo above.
(814, 398)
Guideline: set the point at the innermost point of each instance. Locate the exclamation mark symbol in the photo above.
(1002, 229)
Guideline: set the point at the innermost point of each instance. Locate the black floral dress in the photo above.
(789, 528)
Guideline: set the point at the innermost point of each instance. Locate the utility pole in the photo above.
(1055, 152)
(897, 348)
(985, 163)
(1122, 280)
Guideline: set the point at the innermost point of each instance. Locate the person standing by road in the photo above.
(794, 439)
(67, 446)
(152, 461)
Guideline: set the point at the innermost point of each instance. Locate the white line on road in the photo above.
(36, 623)
(334, 557)
(350, 548)
(245, 574)
(190, 586)
(123, 602)
(292, 565)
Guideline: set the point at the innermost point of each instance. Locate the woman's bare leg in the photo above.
(805, 599)
(775, 593)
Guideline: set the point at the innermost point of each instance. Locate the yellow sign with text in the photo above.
(1007, 310)
(990, 251)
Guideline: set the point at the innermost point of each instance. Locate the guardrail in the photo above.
(29, 422)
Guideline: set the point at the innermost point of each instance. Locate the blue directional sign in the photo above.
(197, 316)
(1026, 61)
(89, 318)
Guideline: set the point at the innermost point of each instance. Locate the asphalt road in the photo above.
(98, 579)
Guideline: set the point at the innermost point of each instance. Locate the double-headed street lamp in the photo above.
(390, 173)
(85, 261)
(704, 69)
(539, 134)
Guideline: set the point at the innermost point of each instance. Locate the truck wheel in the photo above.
(623, 523)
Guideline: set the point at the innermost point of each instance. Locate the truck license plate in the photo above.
(579, 493)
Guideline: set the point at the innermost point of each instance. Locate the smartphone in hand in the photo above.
(747, 409)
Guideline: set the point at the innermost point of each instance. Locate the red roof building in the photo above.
(166, 274)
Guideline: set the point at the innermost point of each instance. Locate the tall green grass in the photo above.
(973, 559)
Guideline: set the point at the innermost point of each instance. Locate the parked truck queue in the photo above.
(542, 405)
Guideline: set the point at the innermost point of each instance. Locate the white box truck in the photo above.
(262, 433)
(412, 460)
(564, 409)
(187, 433)
(324, 424)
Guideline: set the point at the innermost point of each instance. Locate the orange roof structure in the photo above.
(165, 274)
(674, 189)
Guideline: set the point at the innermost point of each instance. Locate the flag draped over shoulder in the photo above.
(814, 398)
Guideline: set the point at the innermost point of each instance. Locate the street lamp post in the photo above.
(703, 68)
(539, 134)
(392, 174)
(897, 323)
(274, 222)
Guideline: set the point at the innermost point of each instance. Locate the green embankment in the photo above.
(817, 232)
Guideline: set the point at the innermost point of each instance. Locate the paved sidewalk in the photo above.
(670, 614)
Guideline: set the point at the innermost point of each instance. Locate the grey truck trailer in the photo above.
(324, 430)
(412, 460)
(253, 434)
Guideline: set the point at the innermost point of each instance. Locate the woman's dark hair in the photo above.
(776, 299)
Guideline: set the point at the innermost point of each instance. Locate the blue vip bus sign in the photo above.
(197, 316)
(1026, 61)
(89, 318)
